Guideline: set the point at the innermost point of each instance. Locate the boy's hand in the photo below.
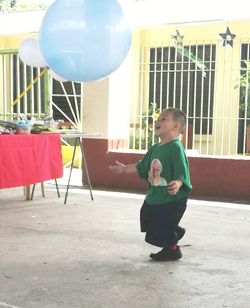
(118, 168)
(174, 186)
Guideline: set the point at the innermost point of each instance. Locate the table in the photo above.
(78, 136)
(26, 159)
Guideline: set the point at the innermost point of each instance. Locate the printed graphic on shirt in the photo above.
(154, 174)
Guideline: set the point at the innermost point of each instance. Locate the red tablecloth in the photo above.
(29, 158)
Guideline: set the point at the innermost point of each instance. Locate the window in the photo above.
(35, 100)
(67, 98)
(184, 78)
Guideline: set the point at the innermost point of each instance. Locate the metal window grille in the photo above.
(175, 81)
(67, 106)
(203, 79)
(26, 90)
(66, 102)
(244, 101)
(19, 95)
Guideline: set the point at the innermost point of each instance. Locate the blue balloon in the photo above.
(84, 40)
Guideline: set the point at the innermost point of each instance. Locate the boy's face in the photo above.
(166, 124)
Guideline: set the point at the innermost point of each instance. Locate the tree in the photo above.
(7, 5)
(22, 5)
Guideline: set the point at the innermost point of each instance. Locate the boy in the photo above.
(166, 169)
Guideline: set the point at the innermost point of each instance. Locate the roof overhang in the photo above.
(147, 13)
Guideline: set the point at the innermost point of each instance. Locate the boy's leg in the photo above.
(179, 230)
(145, 216)
(170, 250)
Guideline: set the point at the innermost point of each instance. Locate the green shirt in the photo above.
(175, 166)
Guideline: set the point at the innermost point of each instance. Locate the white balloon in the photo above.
(56, 76)
(30, 53)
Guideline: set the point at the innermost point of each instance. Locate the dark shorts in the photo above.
(160, 221)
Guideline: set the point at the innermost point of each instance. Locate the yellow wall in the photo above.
(102, 100)
(9, 43)
(100, 93)
(14, 41)
(227, 60)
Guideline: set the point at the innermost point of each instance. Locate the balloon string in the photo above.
(65, 115)
(29, 87)
(69, 103)
(76, 105)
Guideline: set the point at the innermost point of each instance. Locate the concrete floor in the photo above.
(91, 254)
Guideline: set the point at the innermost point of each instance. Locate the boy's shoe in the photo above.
(167, 254)
(180, 232)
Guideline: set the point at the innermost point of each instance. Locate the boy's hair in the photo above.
(178, 116)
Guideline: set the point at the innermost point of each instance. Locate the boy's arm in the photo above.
(120, 168)
(181, 174)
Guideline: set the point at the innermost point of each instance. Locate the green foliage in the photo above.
(192, 58)
(244, 84)
(7, 5)
(22, 5)
(147, 126)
